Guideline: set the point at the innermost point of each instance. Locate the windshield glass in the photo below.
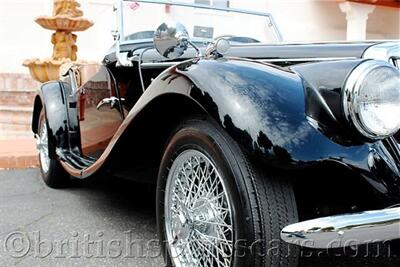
(141, 19)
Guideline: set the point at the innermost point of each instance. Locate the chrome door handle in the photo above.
(112, 101)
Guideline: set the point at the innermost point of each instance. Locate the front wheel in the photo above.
(214, 208)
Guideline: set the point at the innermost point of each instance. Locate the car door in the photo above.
(99, 109)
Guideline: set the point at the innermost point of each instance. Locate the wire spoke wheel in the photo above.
(198, 215)
(43, 148)
(210, 197)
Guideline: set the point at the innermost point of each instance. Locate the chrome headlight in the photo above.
(371, 99)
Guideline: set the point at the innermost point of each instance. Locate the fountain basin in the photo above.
(64, 23)
(44, 70)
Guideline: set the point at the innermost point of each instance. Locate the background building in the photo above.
(299, 20)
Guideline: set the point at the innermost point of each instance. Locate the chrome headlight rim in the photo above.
(351, 93)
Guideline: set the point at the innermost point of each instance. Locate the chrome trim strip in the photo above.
(306, 59)
(149, 65)
(345, 230)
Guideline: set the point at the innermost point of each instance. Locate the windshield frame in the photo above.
(120, 38)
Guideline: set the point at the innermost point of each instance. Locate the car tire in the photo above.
(51, 170)
(258, 202)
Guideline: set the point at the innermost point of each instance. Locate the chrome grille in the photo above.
(395, 61)
(386, 51)
(389, 52)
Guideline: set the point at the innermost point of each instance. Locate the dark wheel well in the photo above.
(330, 189)
(140, 148)
(37, 108)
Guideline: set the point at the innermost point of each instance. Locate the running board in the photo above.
(78, 162)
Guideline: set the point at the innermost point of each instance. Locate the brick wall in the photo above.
(17, 81)
(17, 94)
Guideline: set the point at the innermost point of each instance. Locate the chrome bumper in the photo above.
(345, 230)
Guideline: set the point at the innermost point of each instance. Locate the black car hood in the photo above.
(323, 84)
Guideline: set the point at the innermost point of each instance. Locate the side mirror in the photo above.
(171, 40)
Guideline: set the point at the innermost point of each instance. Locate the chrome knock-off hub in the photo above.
(198, 215)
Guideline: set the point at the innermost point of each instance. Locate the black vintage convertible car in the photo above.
(255, 149)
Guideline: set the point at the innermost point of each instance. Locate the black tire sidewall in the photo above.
(56, 176)
(204, 137)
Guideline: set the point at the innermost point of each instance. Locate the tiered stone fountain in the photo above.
(67, 18)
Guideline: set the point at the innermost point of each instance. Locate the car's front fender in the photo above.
(263, 108)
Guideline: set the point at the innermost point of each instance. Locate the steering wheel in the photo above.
(238, 39)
